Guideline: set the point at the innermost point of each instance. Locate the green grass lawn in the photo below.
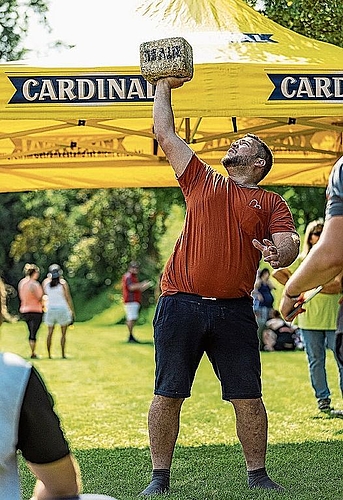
(103, 392)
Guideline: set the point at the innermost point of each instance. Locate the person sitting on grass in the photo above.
(278, 335)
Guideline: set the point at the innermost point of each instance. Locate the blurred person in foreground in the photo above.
(132, 290)
(325, 261)
(59, 306)
(28, 423)
(317, 324)
(31, 303)
(206, 303)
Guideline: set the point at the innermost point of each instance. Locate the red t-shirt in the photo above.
(214, 255)
(130, 296)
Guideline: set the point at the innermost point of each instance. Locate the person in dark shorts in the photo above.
(206, 303)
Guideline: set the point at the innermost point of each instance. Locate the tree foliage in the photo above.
(306, 203)
(14, 21)
(93, 234)
(12, 210)
(312, 18)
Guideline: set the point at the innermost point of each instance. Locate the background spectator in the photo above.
(278, 335)
(318, 323)
(263, 300)
(31, 308)
(59, 306)
(132, 296)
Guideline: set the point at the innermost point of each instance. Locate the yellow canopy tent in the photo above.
(90, 126)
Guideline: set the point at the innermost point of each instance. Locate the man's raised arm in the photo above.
(176, 149)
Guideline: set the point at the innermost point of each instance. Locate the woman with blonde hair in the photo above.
(313, 231)
(31, 308)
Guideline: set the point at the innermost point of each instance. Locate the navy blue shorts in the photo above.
(186, 326)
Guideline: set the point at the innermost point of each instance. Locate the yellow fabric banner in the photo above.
(70, 127)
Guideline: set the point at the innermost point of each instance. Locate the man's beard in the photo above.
(236, 161)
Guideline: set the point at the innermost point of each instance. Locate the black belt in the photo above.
(210, 300)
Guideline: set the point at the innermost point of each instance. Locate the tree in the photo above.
(312, 18)
(14, 22)
(322, 21)
(306, 203)
(118, 225)
(93, 234)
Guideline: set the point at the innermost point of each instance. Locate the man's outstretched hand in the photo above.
(268, 251)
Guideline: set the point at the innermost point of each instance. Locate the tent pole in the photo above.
(187, 130)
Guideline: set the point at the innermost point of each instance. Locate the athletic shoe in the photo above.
(156, 487)
(324, 404)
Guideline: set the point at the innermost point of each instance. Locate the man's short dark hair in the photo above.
(263, 152)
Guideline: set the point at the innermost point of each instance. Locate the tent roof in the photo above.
(65, 126)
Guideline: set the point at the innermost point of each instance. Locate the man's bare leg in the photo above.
(252, 427)
(130, 324)
(164, 423)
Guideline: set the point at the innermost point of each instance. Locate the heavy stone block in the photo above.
(166, 57)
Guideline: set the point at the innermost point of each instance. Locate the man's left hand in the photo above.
(269, 252)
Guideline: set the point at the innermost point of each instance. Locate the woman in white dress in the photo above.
(59, 305)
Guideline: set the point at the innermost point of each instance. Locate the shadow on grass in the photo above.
(307, 470)
(139, 342)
